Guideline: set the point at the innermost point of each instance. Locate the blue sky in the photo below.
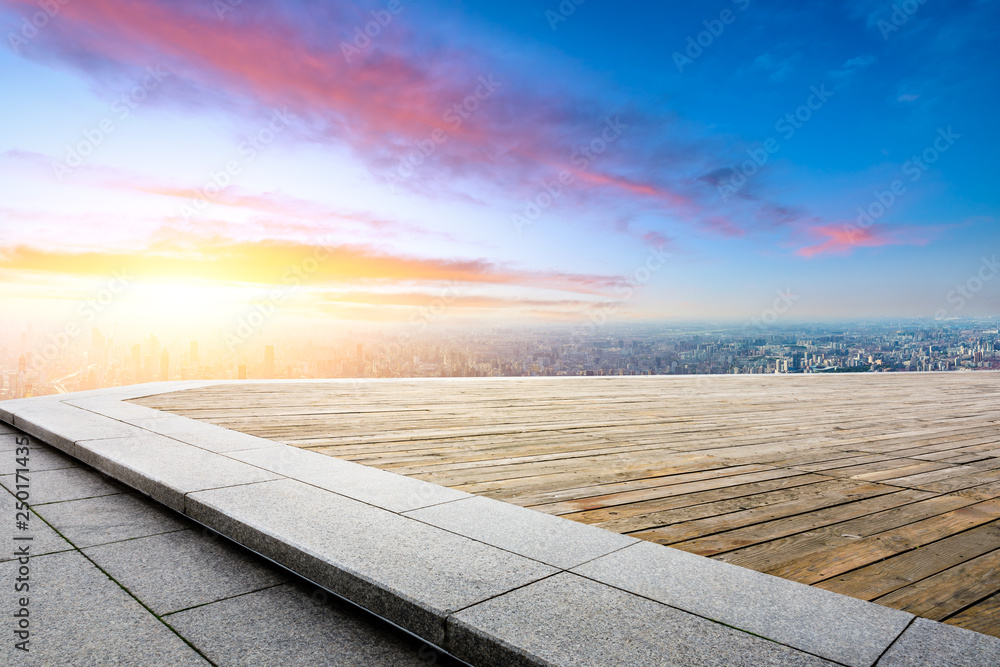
(369, 160)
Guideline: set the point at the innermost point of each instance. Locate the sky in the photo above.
(183, 163)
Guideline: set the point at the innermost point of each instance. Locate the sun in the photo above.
(180, 302)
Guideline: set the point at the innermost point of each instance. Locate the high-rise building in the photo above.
(194, 353)
(269, 362)
(165, 365)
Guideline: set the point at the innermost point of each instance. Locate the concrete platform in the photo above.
(491, 585)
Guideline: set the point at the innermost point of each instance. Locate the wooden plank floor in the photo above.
(885, 487)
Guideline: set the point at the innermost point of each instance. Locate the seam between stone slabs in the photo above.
(69, 500)
(614, 551)
(639, 595)
(893, 642)
(734, 627)
(230, 597)
(405, 514)
(504, 643)
(493, 546)
(336, 595)
(723, 623)
(214, 488)
(130, 539)
(127, 591)
(162, 435)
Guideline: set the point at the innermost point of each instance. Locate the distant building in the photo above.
(269, 362)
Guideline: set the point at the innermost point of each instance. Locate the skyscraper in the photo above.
(137, 362)
(269, 362)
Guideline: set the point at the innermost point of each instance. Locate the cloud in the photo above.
(778, 68)
(846, 71)
(842, 239)
(393, 97)
(281, 262)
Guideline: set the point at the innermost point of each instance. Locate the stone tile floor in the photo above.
(116, 579)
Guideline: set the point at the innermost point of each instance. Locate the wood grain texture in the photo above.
(881, 486)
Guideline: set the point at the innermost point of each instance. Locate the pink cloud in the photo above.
(842, 239)
(383, 102)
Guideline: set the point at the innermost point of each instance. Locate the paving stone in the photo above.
(9, 408)
(300, 629)
(928, 643)
(61, 425)
(9, 441)
(569, 620)
(43, 540)
(53, 486)
(837, 627)
(165, 469)
(168, 424)
(109, 406)
(156, 388)
(106, 519)
(550, 539)
(387, 490)
(39, 458)
(179, 570)
(208, 436)
(80, 617)
(403, 570)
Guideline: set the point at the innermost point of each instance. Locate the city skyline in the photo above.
(194, 167)
(36, 363)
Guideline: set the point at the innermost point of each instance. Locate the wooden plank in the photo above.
(984, 617)
(838, 560)
(903, 570)
(950, 591)
(827, 496)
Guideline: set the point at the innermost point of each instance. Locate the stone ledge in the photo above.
(488, 581)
